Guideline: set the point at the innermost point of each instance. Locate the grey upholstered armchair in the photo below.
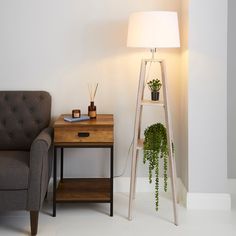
(25, 138)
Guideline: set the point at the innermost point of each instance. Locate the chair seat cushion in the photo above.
(14, 170)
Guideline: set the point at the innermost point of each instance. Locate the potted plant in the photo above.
(155, 86)
(156, 147)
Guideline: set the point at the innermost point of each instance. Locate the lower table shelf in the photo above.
(84, 190)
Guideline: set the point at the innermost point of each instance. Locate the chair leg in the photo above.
(34, 222)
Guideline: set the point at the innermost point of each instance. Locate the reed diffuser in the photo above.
(92, 110)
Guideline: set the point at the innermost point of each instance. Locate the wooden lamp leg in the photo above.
(136, 137)
(170, 137)
(132, 185)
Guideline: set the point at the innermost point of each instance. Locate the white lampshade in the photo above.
(153, 29)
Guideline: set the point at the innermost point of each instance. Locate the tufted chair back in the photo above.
(23, 115)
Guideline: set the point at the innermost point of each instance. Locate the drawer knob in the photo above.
(83, 134)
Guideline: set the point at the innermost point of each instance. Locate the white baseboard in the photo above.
(212, 201)
(204, 201)
(193, 201)
(232, 186)
(208, 201)
(182, 192)
(122, 184)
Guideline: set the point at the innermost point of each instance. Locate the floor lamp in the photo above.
(152, 30)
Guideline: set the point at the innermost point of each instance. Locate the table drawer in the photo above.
(83, 134)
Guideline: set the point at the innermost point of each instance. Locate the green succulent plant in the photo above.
(156, 147)
(154, 85)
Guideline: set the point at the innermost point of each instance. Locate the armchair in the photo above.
(25, 139)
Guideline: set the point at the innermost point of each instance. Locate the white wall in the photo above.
(231, 89)
(183, 157)
(62, 45)
(207, 103)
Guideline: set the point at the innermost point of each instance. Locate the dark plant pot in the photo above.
(155, 96)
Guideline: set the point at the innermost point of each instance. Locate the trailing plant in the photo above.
(154, 85)
(156, 147)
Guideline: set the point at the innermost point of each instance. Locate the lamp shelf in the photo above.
(146, 102)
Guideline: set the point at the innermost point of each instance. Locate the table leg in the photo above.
(62, 163)
(54, 181)
(111, 179)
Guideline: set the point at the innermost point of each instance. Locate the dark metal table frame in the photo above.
(110, 146)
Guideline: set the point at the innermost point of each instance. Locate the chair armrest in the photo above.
(39, 169)
(45, 136)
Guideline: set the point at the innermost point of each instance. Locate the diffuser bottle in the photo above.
(92, 113)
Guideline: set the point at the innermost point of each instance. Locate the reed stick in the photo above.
(91, 93)
(95, 91)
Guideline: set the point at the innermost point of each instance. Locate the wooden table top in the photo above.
(101, 120)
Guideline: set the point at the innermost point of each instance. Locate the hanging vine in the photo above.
(155, 147)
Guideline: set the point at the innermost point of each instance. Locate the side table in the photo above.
(94, 133)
